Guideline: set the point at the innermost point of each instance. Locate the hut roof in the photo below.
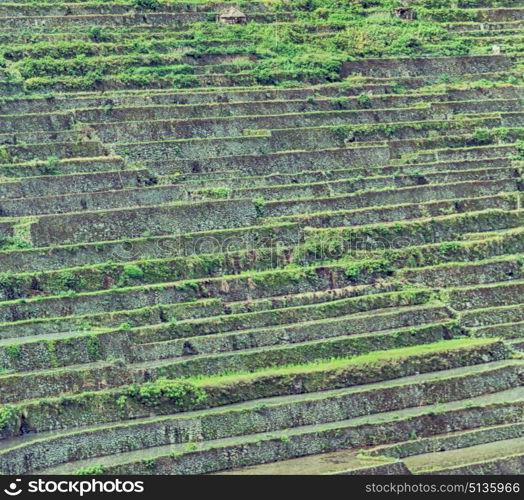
(232, 12)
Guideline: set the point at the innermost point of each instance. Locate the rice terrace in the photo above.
(261, 237)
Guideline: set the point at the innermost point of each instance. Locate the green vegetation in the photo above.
(93, 470)
(391, 355)
(133, 271)
(146, 4)
(239, 243)
(4, 155)
(312, 48)
(183, 395)
(8, 415)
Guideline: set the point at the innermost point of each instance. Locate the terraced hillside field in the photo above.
(289, 245)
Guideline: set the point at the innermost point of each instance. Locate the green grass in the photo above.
(341, 363)
(288, 53)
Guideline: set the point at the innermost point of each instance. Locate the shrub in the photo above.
(51, 166)
(146, 4)
(93, 470)
(364, 101)
(260, 206)
(4, 155)
(481, 136)
(519, 145)
(133, 271)
(181, 394)
(8, 416)
(355, 270)
(185, 81)
(98, 34)
(342, 132)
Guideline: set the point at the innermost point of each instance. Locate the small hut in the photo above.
(405, 13)
(233, 15)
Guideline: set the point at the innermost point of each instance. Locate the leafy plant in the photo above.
(146, 4)
(8, 416)
(99, 35)
(181, 394)
(133, 271)
(364, 101)
(4, 155)
(93, 470)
